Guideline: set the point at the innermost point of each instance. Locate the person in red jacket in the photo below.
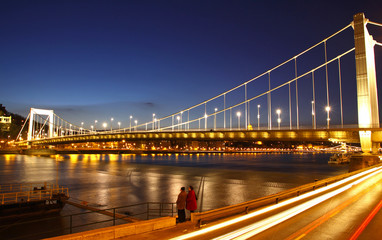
(191, 200)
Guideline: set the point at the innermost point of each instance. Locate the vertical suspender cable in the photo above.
(269, 102)
(290, 108)
(295, 72)
(326, 75)
(205, 115)
(314, 103)
(230, 119)
(246, 107)
(188, 119)
(249, 114)
(339, 78)
(224, 111)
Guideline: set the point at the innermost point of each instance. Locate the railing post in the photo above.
(147, 210)
(160, 209)
(71, 224)
(113, 216)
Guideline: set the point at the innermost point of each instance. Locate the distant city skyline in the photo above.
(96, 60)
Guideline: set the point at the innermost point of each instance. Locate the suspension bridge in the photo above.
(327, 92)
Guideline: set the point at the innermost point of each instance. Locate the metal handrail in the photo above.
(152, 211)
(31, 195)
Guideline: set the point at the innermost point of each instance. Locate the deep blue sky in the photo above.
(99, 59)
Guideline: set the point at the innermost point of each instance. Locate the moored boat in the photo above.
(339, 158)
(27, 199)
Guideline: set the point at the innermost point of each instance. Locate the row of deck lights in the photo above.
(179, 118)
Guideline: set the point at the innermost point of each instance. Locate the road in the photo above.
(349, 210)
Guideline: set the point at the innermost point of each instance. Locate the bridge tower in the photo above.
(367, 97)
(49, 120)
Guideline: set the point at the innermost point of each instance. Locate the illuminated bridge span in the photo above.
(313, 85)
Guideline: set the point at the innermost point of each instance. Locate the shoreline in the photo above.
(126, 151)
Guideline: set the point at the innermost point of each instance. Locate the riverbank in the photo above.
(47, 151)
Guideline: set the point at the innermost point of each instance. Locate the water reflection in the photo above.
(117, 180)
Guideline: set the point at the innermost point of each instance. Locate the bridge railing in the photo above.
(212, 215)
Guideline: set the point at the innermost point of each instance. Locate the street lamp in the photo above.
(95, 125)
(136, 122)
(278, 111)
(130, 122)
(313, 115)
(111, 124)
(70, 128)
(119, 126)
(104, 125)
(205, 121)
(327, 109)
(153, 120)
(82, 127)
(92, 127)
(215, 119)
(238, 114)
(258, 117)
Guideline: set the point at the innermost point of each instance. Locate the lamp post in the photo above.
(95, 125)
(82, 127)
(313, 115)
(278, 111)
(111, 124)
(92, 127)
(119, 126)
(104, 125)
(205, 121)
(215, 119)
(131, 117)
(70, 129)
(153, 121)
(136, 122)
(327, 108)
(238, 114)
(258, 117)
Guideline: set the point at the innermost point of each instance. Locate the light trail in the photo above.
(366, 221)
(253, 229)
(279, 205)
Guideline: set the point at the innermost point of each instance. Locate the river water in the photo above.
(119, 180)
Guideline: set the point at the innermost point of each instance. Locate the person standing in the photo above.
(181, 204)
(191, 200)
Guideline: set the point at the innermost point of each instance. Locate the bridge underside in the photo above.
(340, 135)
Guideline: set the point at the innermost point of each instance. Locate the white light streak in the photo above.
(267, 223)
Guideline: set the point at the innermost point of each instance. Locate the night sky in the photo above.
(90, 60)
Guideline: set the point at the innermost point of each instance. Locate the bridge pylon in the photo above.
(367, 96)
(49, 120)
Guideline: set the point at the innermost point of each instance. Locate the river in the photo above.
(119, 180)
